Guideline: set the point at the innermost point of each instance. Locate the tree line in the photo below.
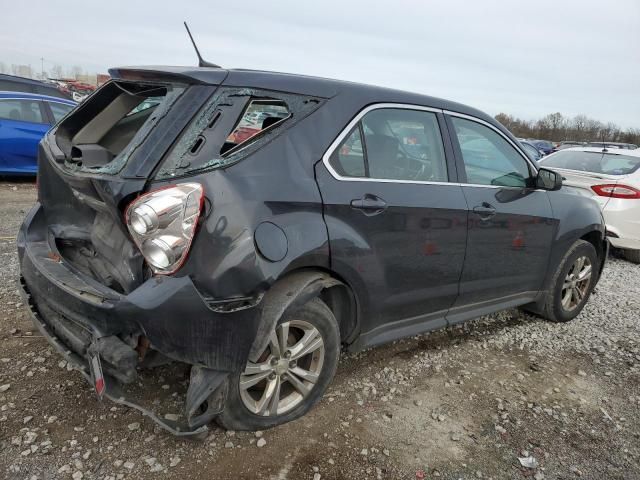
(556, 127)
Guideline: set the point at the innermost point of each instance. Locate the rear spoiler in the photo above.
(190, 75)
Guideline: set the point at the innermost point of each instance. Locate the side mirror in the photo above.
(548, 179)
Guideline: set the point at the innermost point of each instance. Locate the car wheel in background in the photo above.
(631, 255)
(572, 283)
(290, 376)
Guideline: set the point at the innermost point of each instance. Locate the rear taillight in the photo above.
(162, 223)
(616, 191)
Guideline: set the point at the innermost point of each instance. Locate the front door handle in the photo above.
(369, 204)
(485, 211)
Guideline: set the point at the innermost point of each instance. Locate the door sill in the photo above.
(463, 313)
(407, 327)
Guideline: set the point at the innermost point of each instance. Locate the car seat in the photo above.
(382, 154)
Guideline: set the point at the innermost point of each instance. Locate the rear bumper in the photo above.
(112, 390)
(169, 311)
(81, 317)
(623, 221)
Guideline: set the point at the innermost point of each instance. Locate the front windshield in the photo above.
(594, 162)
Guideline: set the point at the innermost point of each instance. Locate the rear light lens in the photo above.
(162, 223)
(614, 190)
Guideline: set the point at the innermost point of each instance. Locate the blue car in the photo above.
(546, 147)
(24, 119)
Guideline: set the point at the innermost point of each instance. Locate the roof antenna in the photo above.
(201, 61)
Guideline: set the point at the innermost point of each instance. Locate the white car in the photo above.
(612, 178)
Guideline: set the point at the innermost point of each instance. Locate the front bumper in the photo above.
(75, 312)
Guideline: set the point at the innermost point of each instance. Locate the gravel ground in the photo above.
(505, 396)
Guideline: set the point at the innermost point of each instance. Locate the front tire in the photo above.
(572, 283)
(290, 376)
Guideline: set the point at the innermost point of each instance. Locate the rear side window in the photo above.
(348, 158)
(233, 124)
(21, 110)
(259, 115)
(393, 144)
(488, 158)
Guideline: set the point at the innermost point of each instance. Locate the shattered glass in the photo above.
(123, 157)
(180, 162)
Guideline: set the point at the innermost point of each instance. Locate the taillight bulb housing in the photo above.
(162, 224)
(616, 190)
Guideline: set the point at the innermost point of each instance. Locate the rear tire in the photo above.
(572, 283)
(631, 255)
(299, 379)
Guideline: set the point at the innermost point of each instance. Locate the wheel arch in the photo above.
(600, 243)
(295, 289)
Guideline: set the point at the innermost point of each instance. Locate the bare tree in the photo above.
(556, 127)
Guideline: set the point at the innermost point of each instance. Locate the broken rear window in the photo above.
(104, 131)
(234, 123)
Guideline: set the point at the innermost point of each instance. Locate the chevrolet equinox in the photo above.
(252, 224)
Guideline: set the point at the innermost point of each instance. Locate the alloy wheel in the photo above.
(286, 372)
(576, 283)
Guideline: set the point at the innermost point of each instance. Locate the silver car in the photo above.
(612, 178)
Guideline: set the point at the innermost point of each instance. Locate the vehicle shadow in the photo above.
(21, 180)
(453, 336)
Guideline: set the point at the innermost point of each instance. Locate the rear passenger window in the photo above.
(259, 116)
(348, 159)
(399, 144)
(488, 158)
(21, 110)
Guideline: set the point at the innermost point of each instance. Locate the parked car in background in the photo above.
(530, 149)
(624, 146)
(24, 119)
(543, 145)
(11, 83)
(569, 144)
(612, 178)
(354, 216)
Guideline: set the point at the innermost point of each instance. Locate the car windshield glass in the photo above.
(594, 162)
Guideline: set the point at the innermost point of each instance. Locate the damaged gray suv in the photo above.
(251, 224)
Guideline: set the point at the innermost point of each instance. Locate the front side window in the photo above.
(531, 151)
(21, 110)
(59, 110)
(488, 158)
(399, 144)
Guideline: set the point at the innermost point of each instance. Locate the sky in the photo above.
(523, 57)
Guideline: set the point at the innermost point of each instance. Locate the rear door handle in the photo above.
(369, 204)
(485, 211)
